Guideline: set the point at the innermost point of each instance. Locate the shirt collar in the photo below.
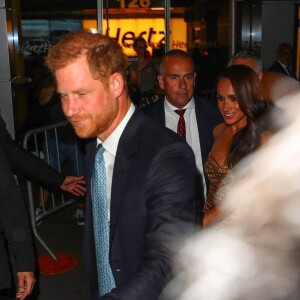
(189, 105)
(111, 143)
(283, 65)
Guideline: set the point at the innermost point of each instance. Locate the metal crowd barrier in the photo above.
(33, 141)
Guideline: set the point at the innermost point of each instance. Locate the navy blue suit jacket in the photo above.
(207, 118)
(14, 227)
(277, 67)
(152, 201)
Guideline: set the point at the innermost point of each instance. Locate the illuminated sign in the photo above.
(125, 31)
(38, 33)
(142, 3)
(134, 3)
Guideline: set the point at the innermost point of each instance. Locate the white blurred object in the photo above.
(254, 252)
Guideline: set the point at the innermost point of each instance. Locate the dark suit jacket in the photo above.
(207, 118)
(152, 201)
(22, 161)
(14, 228)
(12, 219)
(277, 67)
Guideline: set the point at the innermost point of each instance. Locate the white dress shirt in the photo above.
(191, 129)
(111, 145)
(285, 67)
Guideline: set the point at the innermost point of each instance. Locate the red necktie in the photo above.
(181, 123)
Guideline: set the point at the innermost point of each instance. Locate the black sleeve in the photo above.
(13, 218)
(22, 161)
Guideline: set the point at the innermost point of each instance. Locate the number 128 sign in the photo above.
(142, 3)
(139, 3)
(134, 3)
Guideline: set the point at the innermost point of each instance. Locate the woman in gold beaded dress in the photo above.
(240, 101)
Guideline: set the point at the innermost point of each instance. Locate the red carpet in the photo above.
(65, 263)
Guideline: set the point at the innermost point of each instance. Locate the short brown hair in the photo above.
(104, 55)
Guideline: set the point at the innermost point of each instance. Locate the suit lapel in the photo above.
(120, 174)
(127, 146)
(161, 112)
(203, 122)
(157, 111)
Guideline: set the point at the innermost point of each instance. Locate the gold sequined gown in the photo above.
(220, 179)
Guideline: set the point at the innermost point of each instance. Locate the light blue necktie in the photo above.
(106, 280)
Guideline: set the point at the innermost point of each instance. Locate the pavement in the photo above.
(61, 234)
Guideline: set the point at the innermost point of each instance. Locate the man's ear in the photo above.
(160, 79)
(116, 84)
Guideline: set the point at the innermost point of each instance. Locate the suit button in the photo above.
(118, 270)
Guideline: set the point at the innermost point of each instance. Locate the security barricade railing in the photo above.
(37, 141)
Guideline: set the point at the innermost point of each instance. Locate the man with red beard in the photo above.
(140, 179)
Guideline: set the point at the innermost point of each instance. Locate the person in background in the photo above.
(247, 58)
(284, 61)
(156, 59)
(15, 235)
(275, 84)
(240, 101)
(177, 79)
(69, 146)
(142, 73)
(140, 202)
(22, 161)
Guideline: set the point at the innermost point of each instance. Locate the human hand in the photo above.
(74, 185)
(26, 282)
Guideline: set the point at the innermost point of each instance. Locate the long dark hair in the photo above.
(248, 91)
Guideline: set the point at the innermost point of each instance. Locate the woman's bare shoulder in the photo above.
(218, 129)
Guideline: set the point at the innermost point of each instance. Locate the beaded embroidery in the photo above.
(220, 178)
